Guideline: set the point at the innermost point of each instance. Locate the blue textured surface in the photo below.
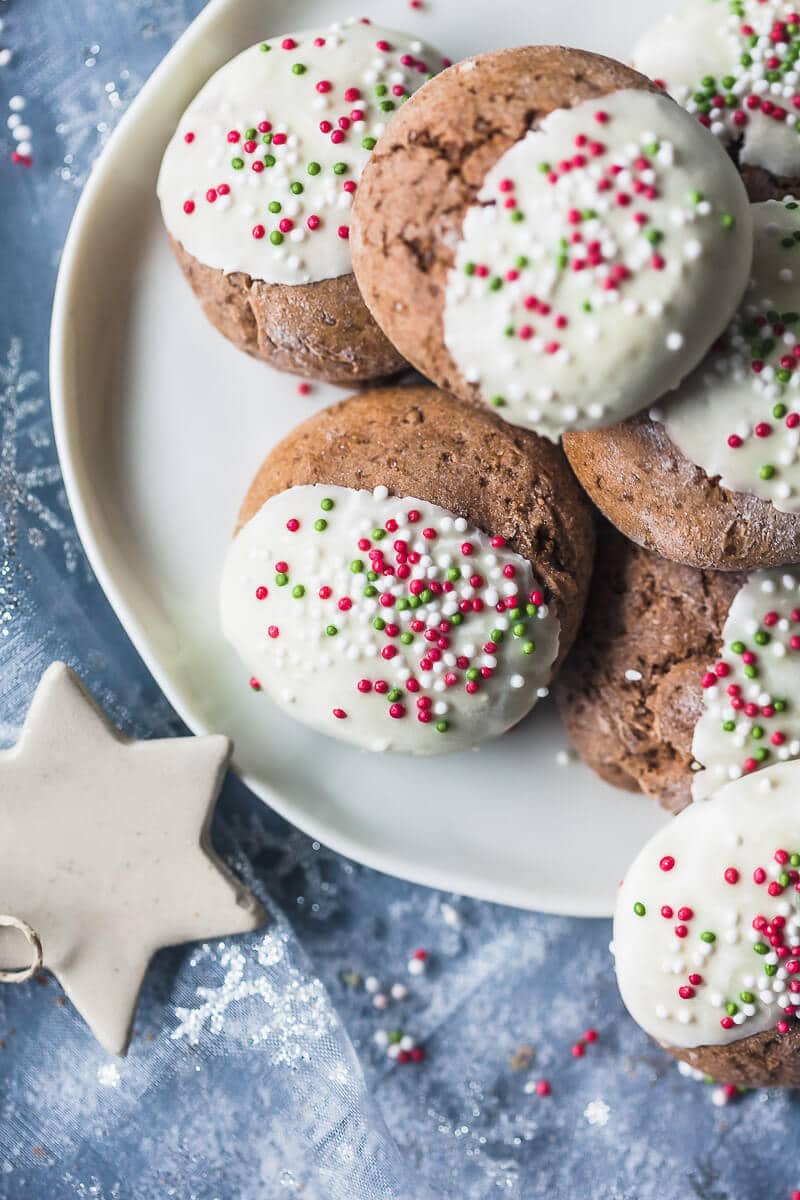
(255, 1087)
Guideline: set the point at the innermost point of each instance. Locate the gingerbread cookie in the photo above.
(540, 232)
(408, 573)
(733, 66)
(711, 477)
(683, 680)
(707, 929)
(256, 187)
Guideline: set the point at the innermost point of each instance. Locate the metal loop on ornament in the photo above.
(31, 936)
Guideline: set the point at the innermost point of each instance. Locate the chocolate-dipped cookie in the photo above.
(733, 66)
(682, 680)
(408, 573)
(256, 187)
(711, 476)
(707, 933)
(543, 231)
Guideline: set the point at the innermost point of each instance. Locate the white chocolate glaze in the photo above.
(608, 249)
(251, 181)
(708, 875)
(738, 415)
(751, 693)
(733, 66)
(375, 619)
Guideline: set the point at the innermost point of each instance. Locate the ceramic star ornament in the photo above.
(105, 851)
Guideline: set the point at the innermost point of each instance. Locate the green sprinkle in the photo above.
(731, 1009)
(728, 220)
(380, 89)
(517, 215)
(370, 591)
(237, 163)
(456, 619)
(414, 602)
(761, 637)
(496, 635)
(779, 705)
(298, 69)
(708, 936)
(401, 603)
(269, 160)
(274, 206)
(770, 969)
(296, 188)
(757, 732)
(426, 596)
(442, 726)
(778, 411)
(394, 694)
(495, 284)
(761, 754)
(696, 197)
(746, 997)
(498, 401)
(298, 590)
(654, 236)
(339, 168)
(320, 525)
(395, 1036)
(469, 268)
(639, 909)
(267, 139)
(738, 647)
(406, 638)
(767, 471)
(313, 168)
(544, 167)
(522, 262)
(520, 629)
(729, 726)
(250, 134)
(326, 505)
(368, 143)
(760, 948)
(528, 647)
(378, 535)
(531, 609)
(331, 630)
(387, 105)
(265, 46)
(281, 579)
(357, 566)
(453, 573)
(378, 623)
(276, 237)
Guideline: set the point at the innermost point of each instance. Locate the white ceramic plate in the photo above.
(160, 425)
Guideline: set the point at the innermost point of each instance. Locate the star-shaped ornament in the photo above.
(105, 852)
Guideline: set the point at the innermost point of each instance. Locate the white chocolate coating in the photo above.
(739, 831)
(726, 68)
(414, 657)
(748, 387)
(216, 184)
(751, 694)
(608, 249)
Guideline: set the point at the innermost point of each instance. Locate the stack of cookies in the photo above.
(593, 270)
